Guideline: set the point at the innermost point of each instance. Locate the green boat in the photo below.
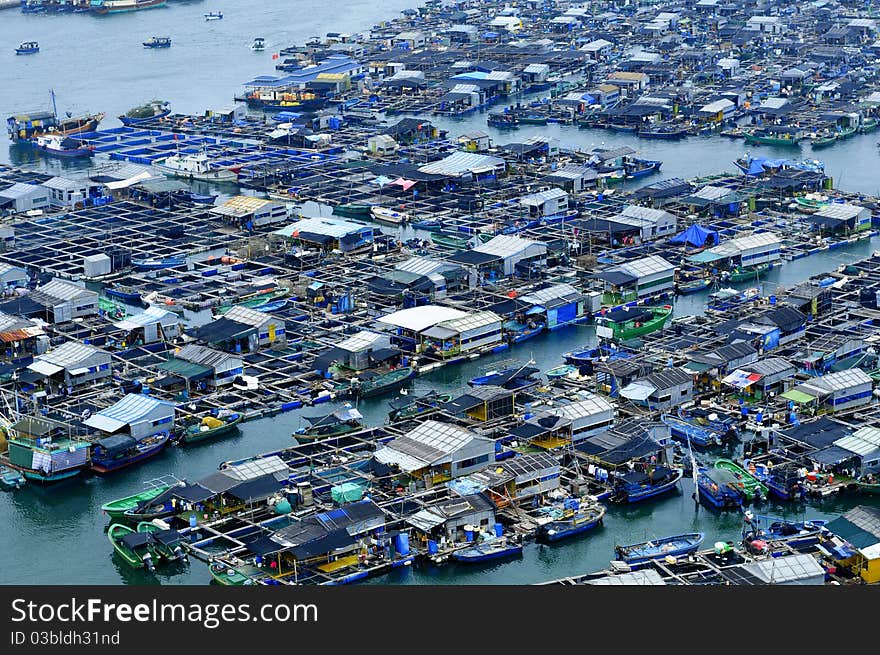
(116, 509)
(255, 301)
(627, 323)
(228, 576)
(212, 427)
(529, 119)
(406, 407)
(368, 384)
(485, 237)
(748, 484)
(809, 204)
(823, 141)
(137, 549)
(747, 273)
(772, 139)
(449, 240)
(866, 487)
(166, 542)
(847, 132)
(339, 422)
(353, 210)
(868, 125)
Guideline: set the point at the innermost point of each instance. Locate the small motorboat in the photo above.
(259, 44)
(214, 15)
(676, 546)
(28, 48)
(166, 542)
(574, 517)
(158, 42)
(388, 216)
(10, 478)
(491, 549)
(137, 549)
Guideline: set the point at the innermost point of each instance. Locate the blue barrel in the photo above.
(468, 535)
(772, 300)
(499, 530)
(528, 413)
(744, 410)
(401, 543)
(432, 547)
(193, 521)
(759, 417)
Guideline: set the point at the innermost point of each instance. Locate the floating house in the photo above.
(248, 212)
(21, 336)
(359, 352)
(450, 521)
(203, 367)
(835, 391)
(135, 416)
(483, 403)
(572, 422)
(857, 542)
(558, 305)
(70, 365)
(841, 218)
(463, 334)
(409, 323)
(551, 202)
(762, 377)
(517, 480)
(152, 325)
(750, 250)
(22, 197)
(328, 234)
(57, 301)
(640, 278)
(661, 391)
(12, 276)
(242, 329)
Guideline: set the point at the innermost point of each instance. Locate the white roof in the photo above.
(150, 315)
(59, 289)
(360, 341)
(740, 244)
(591, 405)
(471, 321)
(534, 199)
(647, 214)
(20, 190)
(646, 266)
(247, 316)
(715, 107)
(505, 245)
(839, 381)
(638, 390)
(421, 265)
(255, 468)
(459, 163)
(331, 227)
(44, 368)
(536, 68)
(863, 441)
(541, 296)
(429, 443)
(596, 45)
(641, 577)
(132, 408)
(840, 210)
(69, 354)
(422, 317)
(789, 568)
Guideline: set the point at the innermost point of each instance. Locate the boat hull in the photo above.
(676, 546)
(559, 530)
(109, 465)
(124, 7)
(125, 120)
(116, 509)
(207, 435)
(476, 555)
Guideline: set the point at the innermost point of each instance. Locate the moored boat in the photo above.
(450, 240)
(227, 575)
(406, 406)
(211, 427)
(167, 543)
(752, 488)
(124, 293)
(121, 450)
(674, 546)
(157, 264)
(720, 488)
(143, 113)
(492, 549)
(693, 286)
(195, 166)
(388, 216)
(631, 322)
(370, 384)
(61, 146)
(745, 273)
(637, 486)
(104, 7)
(135, 548)
(10, 478)
(28, 48)
(116, 509)
(338, 422)
(576, 516)
(353, 210)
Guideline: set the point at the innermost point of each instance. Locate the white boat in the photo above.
(195, 166)
(259, 44)
(388, 216)
(214, 15)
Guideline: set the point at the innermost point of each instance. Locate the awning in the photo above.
(45, 368)
(637, 391)
(742, 379)
(798, 396)
(79, 371)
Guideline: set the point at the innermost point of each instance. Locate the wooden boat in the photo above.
(517, 332)
(638, 486)
(369, 384)
(847, 132)
(158, 42)
(452, 241)
(684, 430)
(823, 141)
(811, 203)
(675, 546)
(116, 509)
(868, 125)
(693, 286)
(406, 406)
(171, 502)
(773, 529)
(339, 422)
(719, 488)
(143, 113)
(23, 127)
(135, 548)
(631, 322)
(781, 139)
(167, 543)
(10, 478)
(872, 488)
(752, 488)
(28, 48)
(212, 427)
(388, 216)
(511, 377)
(490, 550)
(502, 119)
(574, 518)
(353, 210)
(746, 273)
(227, 576)
(666, 132)
(121, 450)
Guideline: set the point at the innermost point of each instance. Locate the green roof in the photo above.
(698, 367)
(798, 396)
(184, 369)
(705, 257)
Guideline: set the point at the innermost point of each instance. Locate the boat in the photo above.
(137, 549)
(285, 99)
(147, 112)
(339, 422)
(10, 478)
(774, 529)
(868, 125)
(271, 305)
(517, 331)
(24, 127)
(489, 550)
(784, 481)
(430, 225)
(674, 546)
(575, 517)
(259, 44)
(561, 371)
(637, 486)
(195, 166)
(214, 15)
(63, 146)
(774, 138)
(684, 430)
(583, 357)
(120, 450)
(667, 132)
(847, 132)
(630, 322)
(104, 7)
(124, 293)
(227, 575)
(158, 42)
(28, 48)
(531, 119)
(116, 509)
(823, 141)
(406, 406)
(353, 210)
(157, 264)
(719, 488)
(510, 377)
(211, 427)
(388, 216)
(810, 203)
(693, 286)
(502, 119)
(452, 241)
(752, 488)
(869, 486)
(745, 273)
(167, 543)
(370, 384)
(49, 457)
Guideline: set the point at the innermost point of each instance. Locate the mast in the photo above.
(54, 107)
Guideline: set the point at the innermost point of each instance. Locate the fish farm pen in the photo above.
(471, 344)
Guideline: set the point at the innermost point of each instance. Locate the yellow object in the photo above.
(337, 564)
(212, 422)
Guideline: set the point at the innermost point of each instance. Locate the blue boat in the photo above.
(28, 48)
(125, 294)
(720, 488)
(770, 528)
(784, 481)
(493, 549)
(683, 431)
(157, 264)
(573, 519)
(517, 332)
(638, 486)
(675, 546)
(271, 306)
(560, 371)
(118, 451)
(10, 478)
(584, 357)
(158, 42)
(513, 377)
(429, 225)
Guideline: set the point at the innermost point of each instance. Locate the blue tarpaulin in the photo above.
(696, 235)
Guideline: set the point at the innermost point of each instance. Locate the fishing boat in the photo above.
(137, 549)
(353, 210)
(502, 119)
(575, 517)
(492, 549)
(510, 377)
(745, 273)
(631, 322)
(195, 166)
(583, 357)
(104, 7)
(124, 293)
(869, 485)
(157, 264)
(10, 478)
(28, 48)
(868, 125)
(23, 127)
(774, 529)
(259, 44)
(719, 488)
(120, 450)
(773, 138)
(45, 454)
(516, 331)
(693, 286)
(752, 488)
(338, 422)
(371, 384)
(684, 430)
(450, 240)
(784, 480)
(63, 146)
(847, 132)
(388, 216)
(158, 42)
(823, 141)
(211, 427)
(271, 305)
(227, 575)
(666, 132)
(214, 15)
(810, 203)
(116, 509)
(406, 406)
(167, 543)
(428, 224)
(561, 371)
(675, 546)
(147, 112)
(637, 486)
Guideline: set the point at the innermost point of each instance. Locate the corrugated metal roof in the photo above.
(71, 353)
(841, 211)
(330, 227)
(58, 289)
(130, 409)
(735, 246)
(256, 468)
(360, 341)
(642, 577)
(557, 291)
(534, 199)
(863, 441)
(505, 245)
(790, 568)
(591, 405)
(422, 317)
(203, 355)
(838, 381)
(239, 206)
(460, 163)
(471, 321)
(646, 266)
(247, 316)
(149, 316)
